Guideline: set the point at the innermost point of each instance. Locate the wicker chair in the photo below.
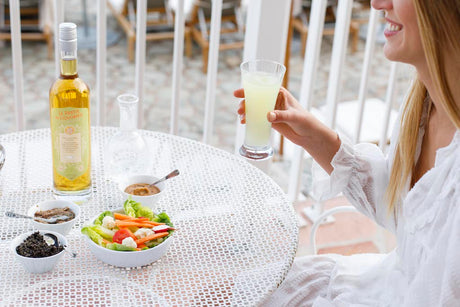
(300, 24)
(199, 19)
(160, 22)
(30, 23)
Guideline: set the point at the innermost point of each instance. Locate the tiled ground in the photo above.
(350, 233)
(39, 74)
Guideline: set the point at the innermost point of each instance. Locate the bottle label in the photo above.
(71, 141)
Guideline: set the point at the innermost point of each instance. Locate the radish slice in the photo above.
(160, 228)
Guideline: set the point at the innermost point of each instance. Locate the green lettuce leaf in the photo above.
(98, 220)
(119, 247)
(163, 218)
(128, 208)
(145, 212)
(135, 209)
(104, 232)
(93, 235)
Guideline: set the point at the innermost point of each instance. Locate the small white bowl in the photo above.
(148, 200)
(63, 228)
(37, 265)
(127, 258)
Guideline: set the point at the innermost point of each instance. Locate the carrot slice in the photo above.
(137, 220)
(141, 219)
(120, 216)
(154, 223)
(124, 217)
(151, 237)
(124, 224)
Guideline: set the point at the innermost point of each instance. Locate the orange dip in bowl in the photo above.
(141, 189)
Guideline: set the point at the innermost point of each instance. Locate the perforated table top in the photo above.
(236, 242)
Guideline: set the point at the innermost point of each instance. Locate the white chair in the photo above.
(324, 216)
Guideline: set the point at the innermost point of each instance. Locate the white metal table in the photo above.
(236, 241)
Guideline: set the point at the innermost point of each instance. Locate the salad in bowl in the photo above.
(131, 236)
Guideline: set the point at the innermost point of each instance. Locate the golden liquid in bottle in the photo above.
(69, 91)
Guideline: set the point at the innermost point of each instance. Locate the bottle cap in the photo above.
(68, 36)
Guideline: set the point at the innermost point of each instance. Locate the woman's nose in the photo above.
(382, 4)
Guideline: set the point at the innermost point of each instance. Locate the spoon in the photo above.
(51, 220)
(174, 173)
(56, 243)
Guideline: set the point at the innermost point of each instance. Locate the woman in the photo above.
(415, 192)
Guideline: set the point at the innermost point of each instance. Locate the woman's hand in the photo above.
(288, 118)
(299, 126)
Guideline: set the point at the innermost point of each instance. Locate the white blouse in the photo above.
(424, 269)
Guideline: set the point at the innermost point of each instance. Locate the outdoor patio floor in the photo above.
(350, 233)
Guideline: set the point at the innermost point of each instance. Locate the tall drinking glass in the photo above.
(261, 82)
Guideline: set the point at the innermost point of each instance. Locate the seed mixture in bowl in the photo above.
(35, 246)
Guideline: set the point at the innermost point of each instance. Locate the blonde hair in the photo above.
(439, 25)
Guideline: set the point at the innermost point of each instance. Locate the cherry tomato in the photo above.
(123, 234)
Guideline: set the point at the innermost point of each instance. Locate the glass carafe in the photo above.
(127, 152)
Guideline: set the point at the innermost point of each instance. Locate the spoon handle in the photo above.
(17, 215)
(71, 252)
(174, 173)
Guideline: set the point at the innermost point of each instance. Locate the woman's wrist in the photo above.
(321, 142)
(315, 131)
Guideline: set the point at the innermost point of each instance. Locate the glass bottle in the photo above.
(70, 122)
(127, 152)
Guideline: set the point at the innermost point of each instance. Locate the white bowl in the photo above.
(148, 200)
(37, 265)
(63, 228)
(127, 258)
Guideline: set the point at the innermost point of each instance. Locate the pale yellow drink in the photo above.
(260, 91)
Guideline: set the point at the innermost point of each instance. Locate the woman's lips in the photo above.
(392, 28)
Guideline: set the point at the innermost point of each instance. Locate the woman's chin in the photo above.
(399, 55)
(390, 53)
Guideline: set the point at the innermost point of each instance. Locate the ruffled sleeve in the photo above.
(361, 172)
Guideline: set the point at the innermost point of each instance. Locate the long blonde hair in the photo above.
(439, 26)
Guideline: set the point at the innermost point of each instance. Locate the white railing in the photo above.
(58, 18)
(141, 28)
(177, 69)
(16, 50)
(212, 70)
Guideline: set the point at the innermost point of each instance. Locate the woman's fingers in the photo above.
(280, 101)
(242, 111)
(239, 93)
(241, 107)
(271, 116)
(278, 116)
(243, 119)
